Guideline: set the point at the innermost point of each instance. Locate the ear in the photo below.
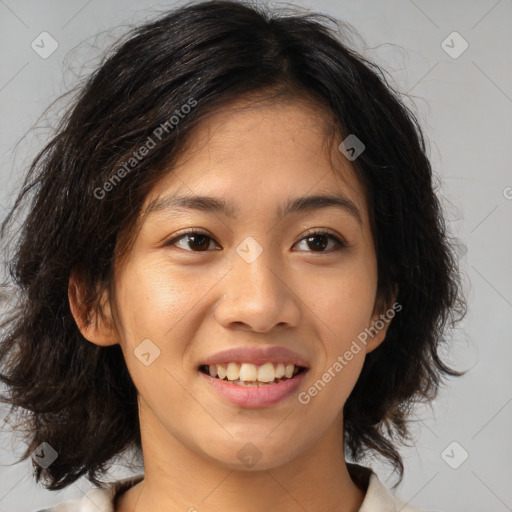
(381, 319)
(97, 326)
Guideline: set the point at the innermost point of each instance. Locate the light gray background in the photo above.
(465, 107)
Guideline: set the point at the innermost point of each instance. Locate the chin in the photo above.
(253, 453)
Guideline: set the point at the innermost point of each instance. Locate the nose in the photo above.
(257, 296)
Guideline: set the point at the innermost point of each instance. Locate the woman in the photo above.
(235, 262)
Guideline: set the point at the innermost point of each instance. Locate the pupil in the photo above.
(316, 237)
(201, 239)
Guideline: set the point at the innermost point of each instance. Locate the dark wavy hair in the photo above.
(79, 397)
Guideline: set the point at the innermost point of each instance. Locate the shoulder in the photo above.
(378, 498)
(97, 498)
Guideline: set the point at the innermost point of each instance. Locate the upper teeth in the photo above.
(250, 372)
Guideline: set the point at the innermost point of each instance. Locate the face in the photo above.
(257, 273)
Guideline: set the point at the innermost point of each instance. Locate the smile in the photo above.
(249, 374)
(241, 386)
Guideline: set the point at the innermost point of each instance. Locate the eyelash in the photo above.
(193, 231)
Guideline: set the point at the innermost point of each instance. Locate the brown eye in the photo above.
(197, 241)
(318, 241)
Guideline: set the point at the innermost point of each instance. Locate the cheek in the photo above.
(166, 307)
(154, 308)
(323, 399)
(343, 302)
(153, 300)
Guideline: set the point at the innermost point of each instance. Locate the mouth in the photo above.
(253, 386)
(253, 375)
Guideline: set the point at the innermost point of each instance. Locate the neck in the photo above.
(179, 479)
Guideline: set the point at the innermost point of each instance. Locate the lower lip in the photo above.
(253, 397)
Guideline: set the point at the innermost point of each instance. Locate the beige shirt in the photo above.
(377, 498)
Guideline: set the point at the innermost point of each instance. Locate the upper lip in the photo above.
(257, 356)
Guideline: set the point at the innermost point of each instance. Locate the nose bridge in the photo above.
(255, 293)
(254, 277)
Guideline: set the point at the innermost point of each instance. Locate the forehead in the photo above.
(260, 151)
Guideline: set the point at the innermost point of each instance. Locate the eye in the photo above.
(197, 241)
(319, 240)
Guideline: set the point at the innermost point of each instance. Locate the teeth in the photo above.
(221, 371)
(248, 372)
(266, 372)
(233, 371)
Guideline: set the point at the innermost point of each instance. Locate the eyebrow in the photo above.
(216, 205)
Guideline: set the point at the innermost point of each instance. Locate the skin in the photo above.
(194, 303)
